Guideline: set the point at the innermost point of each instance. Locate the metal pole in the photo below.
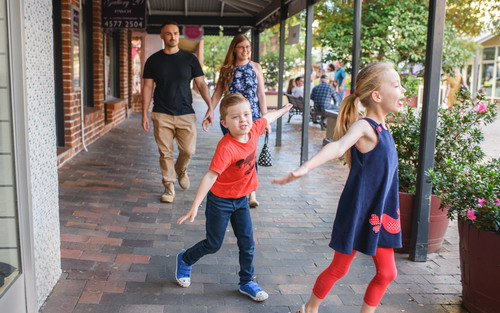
(281, 71)
(255, 45)
(356, 39)
(433, 58)
(307, 82)
(475, 74)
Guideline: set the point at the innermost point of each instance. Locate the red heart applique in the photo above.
(375, 221)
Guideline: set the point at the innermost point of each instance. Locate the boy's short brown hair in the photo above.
(230, 100)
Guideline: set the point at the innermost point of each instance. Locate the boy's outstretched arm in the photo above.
(206, 183)
(273, 116)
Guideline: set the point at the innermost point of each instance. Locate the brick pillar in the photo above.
(130, 78)
(72, 130)
(98, 56)
(124, 64)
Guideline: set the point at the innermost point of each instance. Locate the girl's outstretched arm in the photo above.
(333, 150)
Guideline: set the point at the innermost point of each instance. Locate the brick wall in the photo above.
(96, 122)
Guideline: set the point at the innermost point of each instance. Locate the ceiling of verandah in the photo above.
(233, 15)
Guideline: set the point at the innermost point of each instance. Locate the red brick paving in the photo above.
(119, 242)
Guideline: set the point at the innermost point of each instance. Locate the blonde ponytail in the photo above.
(368, 80)
(348, 114)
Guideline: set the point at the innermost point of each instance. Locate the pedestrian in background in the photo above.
(340, 76)
(172, 70)
(238, 74)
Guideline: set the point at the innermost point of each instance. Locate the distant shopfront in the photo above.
(482, 73)
(93, 74)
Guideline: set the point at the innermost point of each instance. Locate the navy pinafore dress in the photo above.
(368, 211)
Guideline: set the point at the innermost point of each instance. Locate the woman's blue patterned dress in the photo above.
(245, 83)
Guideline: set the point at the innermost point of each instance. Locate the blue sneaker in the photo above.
(253, 290)
(182, 271)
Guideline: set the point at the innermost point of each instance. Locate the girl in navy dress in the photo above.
(367, 217)
(238, 74)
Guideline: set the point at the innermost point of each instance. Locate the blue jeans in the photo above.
(341, 95)
(219, 211)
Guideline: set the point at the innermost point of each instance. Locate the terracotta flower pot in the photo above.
(438, 222)
(480, 267)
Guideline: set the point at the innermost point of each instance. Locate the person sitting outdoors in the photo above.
(321, 95)
(298, 90)
(291, 85)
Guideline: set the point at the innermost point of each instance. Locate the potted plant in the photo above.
(458, 137)
(471, 192)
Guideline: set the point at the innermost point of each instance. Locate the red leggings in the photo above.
(386, 273)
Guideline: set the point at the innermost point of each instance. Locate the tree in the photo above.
(214, 52)
(393, 30)
(472, 17)
(294, 54)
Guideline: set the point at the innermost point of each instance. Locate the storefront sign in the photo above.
(75, 47)
(293, 34)
(124, 13)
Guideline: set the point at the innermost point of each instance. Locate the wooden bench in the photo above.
(331, 121)
(298, 109)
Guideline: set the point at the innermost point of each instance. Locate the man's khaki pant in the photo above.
(183, 129)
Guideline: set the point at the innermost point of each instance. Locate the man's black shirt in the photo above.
(172, 74)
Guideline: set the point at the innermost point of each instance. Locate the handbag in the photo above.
(265, 157)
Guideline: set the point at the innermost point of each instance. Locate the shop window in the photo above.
(112, 65)
(497, 82)
(10, 264)
(488, 54)
(86, 54)
(136, 65)
(468, 76)
(58, 75)
(487, 78)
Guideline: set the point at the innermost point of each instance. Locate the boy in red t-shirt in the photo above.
(230, 178)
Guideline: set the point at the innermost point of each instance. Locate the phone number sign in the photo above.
(124, 13)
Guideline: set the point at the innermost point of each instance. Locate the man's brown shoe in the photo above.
(252, 201)
(184, 180)
(169, 193)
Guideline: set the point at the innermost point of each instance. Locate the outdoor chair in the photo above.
(298, 109)
(297, 106)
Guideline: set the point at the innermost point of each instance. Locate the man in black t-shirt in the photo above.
(172, 70)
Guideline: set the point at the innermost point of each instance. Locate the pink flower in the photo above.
(481, 202)
(482, 107)
(471, 214)
(497, 202)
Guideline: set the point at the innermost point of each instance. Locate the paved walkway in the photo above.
(119, 242)
(491, 143)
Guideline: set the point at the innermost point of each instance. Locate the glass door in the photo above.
(12, 281)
